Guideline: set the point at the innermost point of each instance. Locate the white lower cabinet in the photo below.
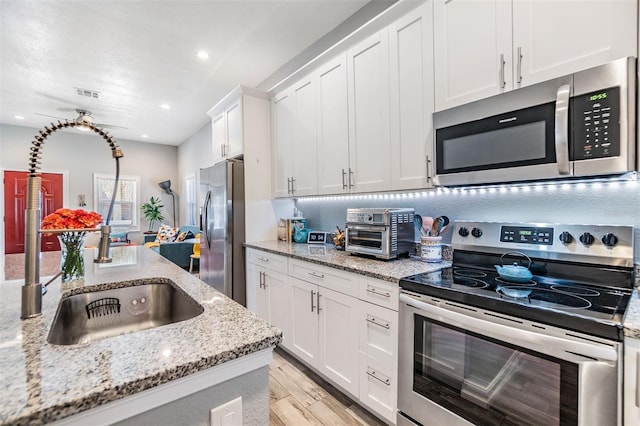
(631, 381)
(268, 290)
(341, 324)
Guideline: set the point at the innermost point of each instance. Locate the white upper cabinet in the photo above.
(411, 88)
(305, 177)
(227, 131)
(563, 36)
(470, 39)
(333, 127)
(282, 116)
(368, 101)
(484, 47)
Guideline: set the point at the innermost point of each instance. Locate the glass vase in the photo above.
(72, 258)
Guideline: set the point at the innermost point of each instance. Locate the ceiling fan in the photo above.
(84, 116)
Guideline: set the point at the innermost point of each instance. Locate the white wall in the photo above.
(81, 155)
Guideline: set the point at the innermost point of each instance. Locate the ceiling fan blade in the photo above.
(110, 126)
(51, 116)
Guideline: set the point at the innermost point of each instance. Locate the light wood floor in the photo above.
(300, 397)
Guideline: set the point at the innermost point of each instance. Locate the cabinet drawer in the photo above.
(271, 261)
(378, 333)
(378, 388)
(379, 292)
(324, 276)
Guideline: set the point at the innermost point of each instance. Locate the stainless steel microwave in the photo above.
(579, 125)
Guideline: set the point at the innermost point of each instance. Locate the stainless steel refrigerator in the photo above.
(222, 223)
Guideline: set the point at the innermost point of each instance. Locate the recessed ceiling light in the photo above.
(203, 55)
(18, 117)
(165, 106)
(144, 136)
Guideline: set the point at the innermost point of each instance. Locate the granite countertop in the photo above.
(388, 270)
(41, 382)
(632, 316)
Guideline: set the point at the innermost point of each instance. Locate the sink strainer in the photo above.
(102, 307)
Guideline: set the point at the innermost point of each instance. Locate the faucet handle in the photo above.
(103, 246)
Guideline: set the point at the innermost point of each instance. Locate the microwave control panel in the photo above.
(596, 124)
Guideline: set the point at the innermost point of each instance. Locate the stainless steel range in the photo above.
(524, 328)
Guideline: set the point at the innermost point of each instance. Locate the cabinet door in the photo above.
(219, 135)
(559, 37)
(411, 72)
(235, 146)
(304, 321)
(338, 328)
(470, 38)
(333, 127)
(631, 381)
(279, 301)
(282, 140)
(257, 300)
(368, 83)
(304, 137)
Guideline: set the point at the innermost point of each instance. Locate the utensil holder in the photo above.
(431, 249)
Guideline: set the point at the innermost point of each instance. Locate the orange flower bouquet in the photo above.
(71, 227)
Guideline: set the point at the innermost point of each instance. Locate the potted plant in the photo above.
(151, 212)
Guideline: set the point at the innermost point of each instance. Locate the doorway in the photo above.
(15, 201)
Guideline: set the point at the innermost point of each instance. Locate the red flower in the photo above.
(71, 219)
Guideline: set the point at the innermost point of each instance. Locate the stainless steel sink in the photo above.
(134, 306)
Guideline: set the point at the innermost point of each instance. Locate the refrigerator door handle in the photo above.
(205, 225)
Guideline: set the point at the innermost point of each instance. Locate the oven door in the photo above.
(459, 365)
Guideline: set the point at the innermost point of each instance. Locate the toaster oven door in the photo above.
(367, 239)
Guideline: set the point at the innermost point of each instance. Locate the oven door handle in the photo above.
(509, 334)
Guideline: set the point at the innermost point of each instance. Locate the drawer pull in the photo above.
(264, 259)
(315, 274)
(372, 373)
(373, 320)
(377, 293)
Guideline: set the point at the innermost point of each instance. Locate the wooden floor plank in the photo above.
(274, 420)
(331, 412)
(276, 390)
(298, 385)
(363, 416)
(291, 412)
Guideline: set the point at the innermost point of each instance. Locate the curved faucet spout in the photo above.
(32, 288)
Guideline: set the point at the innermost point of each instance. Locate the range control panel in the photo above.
(526, 235)
(603, 244)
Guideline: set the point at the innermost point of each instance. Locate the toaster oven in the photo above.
(379, 232)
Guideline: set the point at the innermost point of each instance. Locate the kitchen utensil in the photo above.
(436, 226)
(417, 223)
(515, 272)
(427, 221)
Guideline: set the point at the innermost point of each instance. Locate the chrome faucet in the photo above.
(32, 288)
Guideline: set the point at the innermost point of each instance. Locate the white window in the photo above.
(190, 182)
(126, 206)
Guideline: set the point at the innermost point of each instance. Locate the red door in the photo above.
(15, 202)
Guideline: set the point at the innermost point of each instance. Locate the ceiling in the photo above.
(141, 54)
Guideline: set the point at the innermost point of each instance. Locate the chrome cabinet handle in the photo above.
(503, 83)
(263, 279)
(351, 185)
(222, 150)
(315, 274)
(318, 303)
(293, 185)
(288, 185)
(373, 373)
(373, 320)
(519, 68)
(562, 129)
(377, 293)
(312, 294)
(344, 181)
(264, 259)
(427, 162)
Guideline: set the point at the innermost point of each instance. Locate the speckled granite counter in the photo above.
(41, 382)
(391, 270)
(632, 317)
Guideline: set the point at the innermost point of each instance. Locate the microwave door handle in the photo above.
(562, 129)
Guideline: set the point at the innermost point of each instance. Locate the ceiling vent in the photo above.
(88, 93)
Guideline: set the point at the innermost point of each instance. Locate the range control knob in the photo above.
(609, 240)
(476, 232)
(566, 237)
(463, 232)
(587, 239)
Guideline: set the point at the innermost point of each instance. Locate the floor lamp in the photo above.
(166, 187)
